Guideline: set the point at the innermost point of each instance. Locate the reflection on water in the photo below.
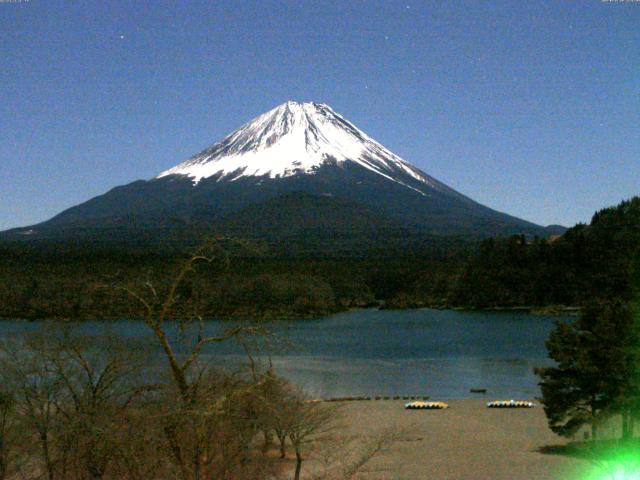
(404, 352)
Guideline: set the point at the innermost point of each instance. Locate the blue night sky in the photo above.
(530, 107)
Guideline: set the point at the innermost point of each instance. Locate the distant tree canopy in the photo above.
(54, 280)
(587, 262)
(57, 282)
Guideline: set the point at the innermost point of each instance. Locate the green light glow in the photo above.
(610, 472)
(622, 473)
(606, 459)
(616, 464)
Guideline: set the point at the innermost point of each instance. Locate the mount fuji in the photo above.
(298, 138)
(299, 170)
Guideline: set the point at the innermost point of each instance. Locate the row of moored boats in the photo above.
(494, 404)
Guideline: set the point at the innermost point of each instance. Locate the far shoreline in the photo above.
(549, 310)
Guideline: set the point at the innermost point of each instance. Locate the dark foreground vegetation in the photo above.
(98, 407)
(50, 280)
(75, 407)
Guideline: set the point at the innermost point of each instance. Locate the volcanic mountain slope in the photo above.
(296, 148)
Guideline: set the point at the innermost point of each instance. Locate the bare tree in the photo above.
(9, 434)
(304, 422)
(70, 392)
(139, 447)
(35, 391)
(274, 393)
(100, 379)
(157, 309)
(194, 417)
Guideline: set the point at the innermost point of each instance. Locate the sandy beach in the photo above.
(466, 441)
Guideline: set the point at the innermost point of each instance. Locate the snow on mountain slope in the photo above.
(298, 138)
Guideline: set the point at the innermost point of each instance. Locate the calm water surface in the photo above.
(439, 353)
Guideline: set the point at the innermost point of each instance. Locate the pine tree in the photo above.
(596, 373)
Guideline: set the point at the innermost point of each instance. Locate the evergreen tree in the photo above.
(596, 372)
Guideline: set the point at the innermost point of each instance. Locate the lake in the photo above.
(440, 353)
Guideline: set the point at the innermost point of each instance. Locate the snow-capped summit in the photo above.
(296, 138)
